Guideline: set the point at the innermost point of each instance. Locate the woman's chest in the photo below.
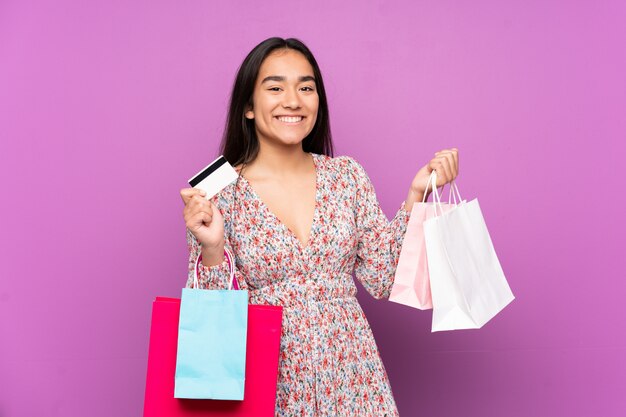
(292, 203)
(268, 251)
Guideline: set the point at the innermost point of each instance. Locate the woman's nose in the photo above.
(291, 99)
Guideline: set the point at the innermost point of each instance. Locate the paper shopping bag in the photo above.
(211, 355)
(262, 353)
(411, 285)
(467, 282)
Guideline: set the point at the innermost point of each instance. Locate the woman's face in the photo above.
(285, 100)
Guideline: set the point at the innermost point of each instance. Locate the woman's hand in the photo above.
(205, 222)
(446, 163)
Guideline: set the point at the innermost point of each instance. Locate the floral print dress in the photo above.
(329, 363)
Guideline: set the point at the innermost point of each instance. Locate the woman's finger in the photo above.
(187, 193)
(452, 156)
(199, 201)
(455, 152)
(437, 165)
(451, 165)
(454, 162)
(445, 163)
(195, 205)
(447, 170)
(199, 218)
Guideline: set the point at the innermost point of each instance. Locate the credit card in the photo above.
(214, 177)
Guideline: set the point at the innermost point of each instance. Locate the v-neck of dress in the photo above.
(279, 222)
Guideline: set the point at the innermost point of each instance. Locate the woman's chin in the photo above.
(288, 141)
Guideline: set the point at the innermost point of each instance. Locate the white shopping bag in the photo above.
(467, 283)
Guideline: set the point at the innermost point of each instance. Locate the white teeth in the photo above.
(290, 119)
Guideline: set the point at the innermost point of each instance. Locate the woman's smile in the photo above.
(290, 120)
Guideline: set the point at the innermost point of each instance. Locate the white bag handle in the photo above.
(430, 183)
(454, 192)
(436, 197)
(231, 267)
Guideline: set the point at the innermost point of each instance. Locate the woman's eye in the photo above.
(307, 88)
(274, 88)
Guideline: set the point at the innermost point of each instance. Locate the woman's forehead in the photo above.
(285, 63)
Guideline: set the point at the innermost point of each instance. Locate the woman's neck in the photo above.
(283, 161)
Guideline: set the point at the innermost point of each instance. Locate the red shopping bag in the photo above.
(262, 350)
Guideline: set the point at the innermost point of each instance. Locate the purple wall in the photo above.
(107, 108)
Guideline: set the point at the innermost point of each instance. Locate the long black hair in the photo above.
(240, 144)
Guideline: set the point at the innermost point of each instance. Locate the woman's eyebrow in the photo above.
(281, 78)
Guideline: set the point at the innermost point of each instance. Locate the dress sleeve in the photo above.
(379, 240)
(213, 277)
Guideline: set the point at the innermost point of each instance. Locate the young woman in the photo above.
(299, 223)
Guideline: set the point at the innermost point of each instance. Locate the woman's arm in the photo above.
(379, 240)
(213, 269)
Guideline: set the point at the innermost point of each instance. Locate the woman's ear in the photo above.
(249, 113)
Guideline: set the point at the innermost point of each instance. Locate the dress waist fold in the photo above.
(296, 290)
